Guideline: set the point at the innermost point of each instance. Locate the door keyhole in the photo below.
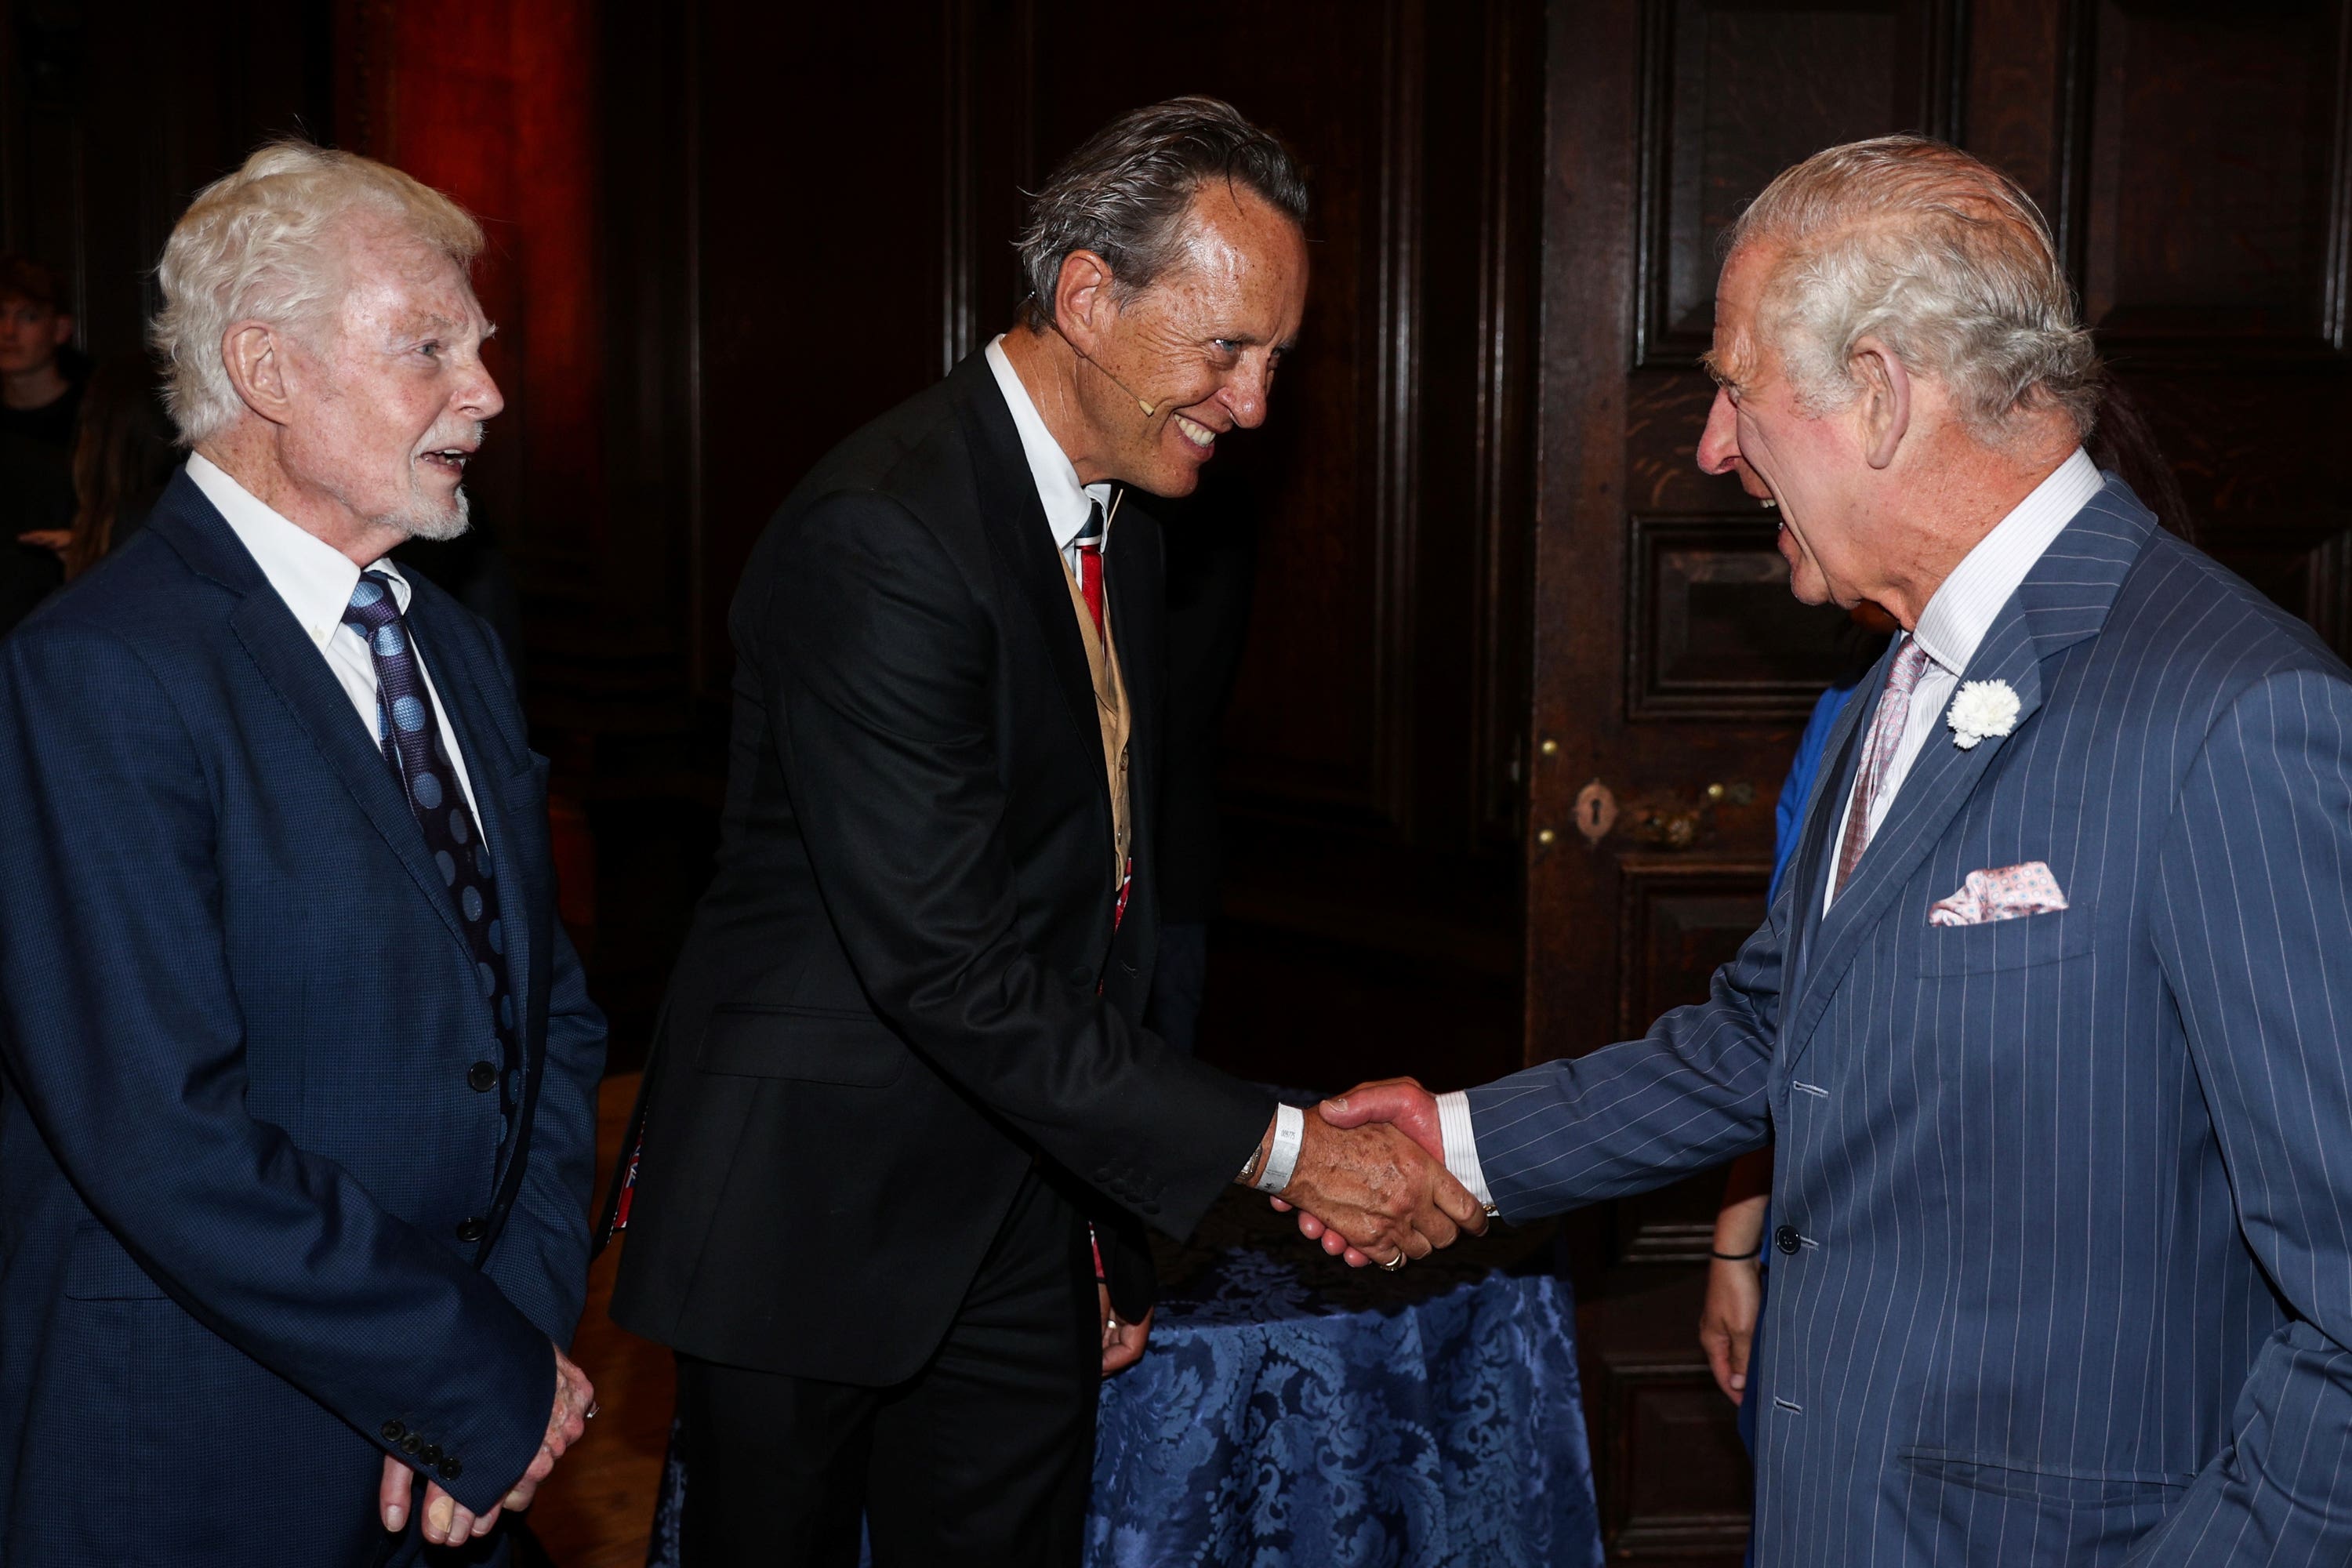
(1596, 811)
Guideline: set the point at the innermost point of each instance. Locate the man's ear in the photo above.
(61, 331)
(1885, 400)
(1082, 300)
(254, 355)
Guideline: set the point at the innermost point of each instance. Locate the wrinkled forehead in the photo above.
(1739, 292)
(388, 279)
(1238, 251)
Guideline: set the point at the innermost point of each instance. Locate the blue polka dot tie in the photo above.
(419, 755)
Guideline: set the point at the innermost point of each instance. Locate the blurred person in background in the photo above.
(40, 398)
(123, 459)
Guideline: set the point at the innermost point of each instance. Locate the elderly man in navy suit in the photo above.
(2048, 1024)
(297, 1121)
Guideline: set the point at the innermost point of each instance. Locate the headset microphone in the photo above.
(1148, 408)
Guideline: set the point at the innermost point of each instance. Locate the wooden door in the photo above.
(2191, 158)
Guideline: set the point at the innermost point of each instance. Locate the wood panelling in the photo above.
(1735, 91)
(114, 113)
(1715, 633)
(824, 226)
(1673, 1483)
(1678, 920)
(2192, 157)
(722, 238)
(2251, 142)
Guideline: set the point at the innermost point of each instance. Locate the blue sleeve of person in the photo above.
(1789, 817)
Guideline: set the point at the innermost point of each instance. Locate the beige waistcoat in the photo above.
(1110, 702)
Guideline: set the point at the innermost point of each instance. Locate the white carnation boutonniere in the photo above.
(1983, 710)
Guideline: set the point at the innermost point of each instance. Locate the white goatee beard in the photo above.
(419, 521)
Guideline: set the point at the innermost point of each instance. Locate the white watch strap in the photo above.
(1289, 1131)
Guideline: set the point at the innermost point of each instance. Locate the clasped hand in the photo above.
(1371, 1183)
(446, 1522)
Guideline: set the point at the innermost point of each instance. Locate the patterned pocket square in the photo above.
(1999, 895)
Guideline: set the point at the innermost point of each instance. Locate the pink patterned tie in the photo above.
(1885, 735)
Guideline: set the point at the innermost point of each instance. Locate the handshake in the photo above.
(1371, 1183)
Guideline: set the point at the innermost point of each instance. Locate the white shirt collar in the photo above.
(1964, 608)
(312, 577)
(1068, 503)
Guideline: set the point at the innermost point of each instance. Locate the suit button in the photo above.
(411, 1444)
(451, 1468)
(481, 1078)
(472, 1230)
(432, 1454)
(1787, 1240)
(393, 1431)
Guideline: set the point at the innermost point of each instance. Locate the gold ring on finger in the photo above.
(1393, 1264)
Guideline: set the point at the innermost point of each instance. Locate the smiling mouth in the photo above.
(450, 459)
(1198, 436)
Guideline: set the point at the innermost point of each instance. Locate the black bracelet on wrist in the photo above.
(1737, 1257)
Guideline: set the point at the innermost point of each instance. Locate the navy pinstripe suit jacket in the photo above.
(2069, 1195)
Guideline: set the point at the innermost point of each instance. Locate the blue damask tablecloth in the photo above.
(1296, 1414)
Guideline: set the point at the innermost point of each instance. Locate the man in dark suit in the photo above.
(297, 1124)
(2048, 1021)
(902, 1078)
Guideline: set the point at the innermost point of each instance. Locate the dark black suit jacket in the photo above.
(902, 989)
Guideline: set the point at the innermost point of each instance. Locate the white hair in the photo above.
(1939, 257)
(260, 245)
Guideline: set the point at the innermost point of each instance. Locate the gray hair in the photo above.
(259, 246)
(1123, 195)
(1938, 256)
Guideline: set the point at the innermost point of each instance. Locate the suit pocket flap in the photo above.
(2017, 944)
(2076, 1487)
(98, 1269)
(790, 1042)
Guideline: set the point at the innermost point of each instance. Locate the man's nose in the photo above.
(1245, 396)
(477, 397)
(1719, 444)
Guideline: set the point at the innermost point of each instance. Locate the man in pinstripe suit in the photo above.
(2048, 1023)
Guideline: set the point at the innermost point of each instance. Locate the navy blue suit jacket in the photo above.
(237, 1138)
(2064, 1203)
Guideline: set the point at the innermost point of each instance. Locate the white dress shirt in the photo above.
(1068, 503)
(1954, 623)
(315, 580)
(1964, 608)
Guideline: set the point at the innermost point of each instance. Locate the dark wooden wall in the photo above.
(723, 235)
(113, 112)
(810, 218)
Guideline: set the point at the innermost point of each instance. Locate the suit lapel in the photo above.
(1842, 750)
(2063, 600)
(1016, 522)
(1135, 597)
(291, 664)
(293, 667)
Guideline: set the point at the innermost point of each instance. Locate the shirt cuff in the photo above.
(1461, 1146)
